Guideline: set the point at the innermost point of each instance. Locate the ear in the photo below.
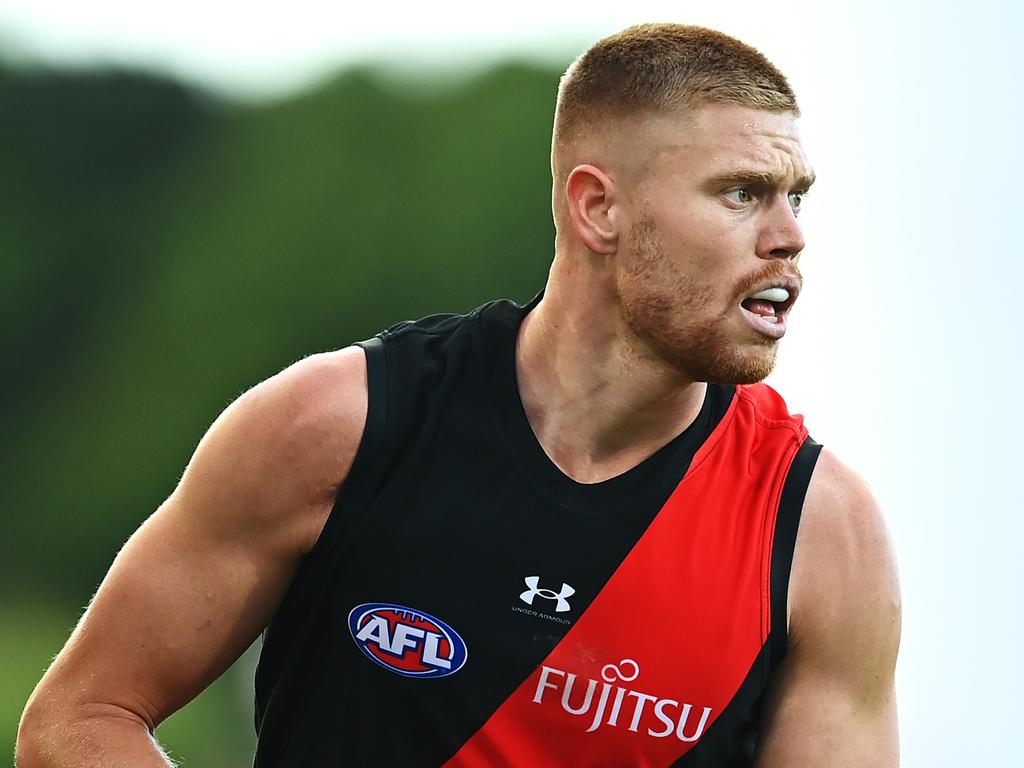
(590, 195)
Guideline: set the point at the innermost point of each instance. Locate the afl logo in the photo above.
(407, 642)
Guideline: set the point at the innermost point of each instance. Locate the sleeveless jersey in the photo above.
(468, 605)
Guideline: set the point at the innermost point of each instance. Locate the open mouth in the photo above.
(766, 310)
(771, 302)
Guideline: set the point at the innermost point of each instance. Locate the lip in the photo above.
(774, 326)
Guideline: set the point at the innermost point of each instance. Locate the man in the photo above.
(576, 533)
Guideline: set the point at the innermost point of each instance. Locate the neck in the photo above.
(598, 399)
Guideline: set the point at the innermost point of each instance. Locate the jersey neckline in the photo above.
(651, 480)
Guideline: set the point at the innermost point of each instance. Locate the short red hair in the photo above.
(659, 68)
(666, 66)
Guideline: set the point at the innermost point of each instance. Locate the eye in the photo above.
(740, 196)
(796, 199)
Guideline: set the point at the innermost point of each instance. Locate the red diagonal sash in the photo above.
(668, 641)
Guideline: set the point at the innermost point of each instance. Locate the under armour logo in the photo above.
(547, 594)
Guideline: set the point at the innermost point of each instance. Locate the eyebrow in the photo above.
(758, 178)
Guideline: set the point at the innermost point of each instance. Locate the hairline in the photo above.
(684, 109)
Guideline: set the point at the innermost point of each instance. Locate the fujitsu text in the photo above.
(618, 706)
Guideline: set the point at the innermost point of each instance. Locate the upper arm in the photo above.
(198, 581)
(832, 702)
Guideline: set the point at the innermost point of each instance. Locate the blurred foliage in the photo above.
(161, 251)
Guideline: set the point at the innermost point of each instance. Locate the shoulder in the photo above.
(844, 587)
(832, 701)
(284, 447)
(319, 400)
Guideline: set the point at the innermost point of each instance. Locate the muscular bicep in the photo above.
(832, 700)
(194, 586)
(176, 608)
(813, 718)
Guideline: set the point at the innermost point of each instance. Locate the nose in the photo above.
(781, 236)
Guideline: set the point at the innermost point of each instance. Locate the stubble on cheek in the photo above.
(660, 303)
(675, 315)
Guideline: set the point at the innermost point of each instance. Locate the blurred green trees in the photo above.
(161, 251)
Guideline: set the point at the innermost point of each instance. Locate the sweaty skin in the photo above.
(664, 227)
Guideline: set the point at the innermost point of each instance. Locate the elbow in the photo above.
(45, 728)
(58, 732)
(31, 748)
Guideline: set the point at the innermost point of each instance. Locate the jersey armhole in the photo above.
(376, 398)
(292, 620)
(377, 406)
(787, 523)
(359, 478)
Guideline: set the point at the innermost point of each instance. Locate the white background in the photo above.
(903, 352)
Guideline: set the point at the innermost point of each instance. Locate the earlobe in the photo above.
(590, 194)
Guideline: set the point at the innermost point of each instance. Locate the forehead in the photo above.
(719, 139)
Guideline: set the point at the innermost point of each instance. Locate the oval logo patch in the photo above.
(408, 642)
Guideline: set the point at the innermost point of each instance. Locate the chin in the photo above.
(713, 351)
(729, 366)
(740, 375)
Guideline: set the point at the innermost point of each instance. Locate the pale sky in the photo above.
(907, 334)
(268, 48)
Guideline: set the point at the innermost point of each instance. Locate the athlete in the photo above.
(577, 532)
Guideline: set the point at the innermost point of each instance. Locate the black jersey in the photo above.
(467, 604)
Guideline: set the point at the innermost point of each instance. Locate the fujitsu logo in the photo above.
(535, 590)
(663, 718)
